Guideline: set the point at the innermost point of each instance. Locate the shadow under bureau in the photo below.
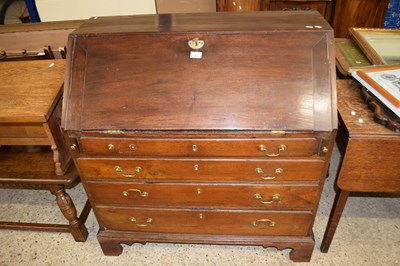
(203, 128)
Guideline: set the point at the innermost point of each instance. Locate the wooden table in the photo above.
(370, 154)
(30, 106)
(32, 150)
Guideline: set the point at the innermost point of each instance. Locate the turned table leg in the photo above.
(336, 213)
(67, 207)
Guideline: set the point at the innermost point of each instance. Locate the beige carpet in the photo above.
(368, 234)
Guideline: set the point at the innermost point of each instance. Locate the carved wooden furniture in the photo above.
(203, 128)
(30, 93)
(370, 154)
(325, 7)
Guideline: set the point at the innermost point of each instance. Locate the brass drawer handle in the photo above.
(277, 171)
(119, 169)
(269, 222)
(143, 194)
(148, 222)
(275, 198)
(281, 148)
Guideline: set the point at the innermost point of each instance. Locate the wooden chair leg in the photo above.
(67, 207)
(334, 218)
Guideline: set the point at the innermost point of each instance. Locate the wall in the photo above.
(55, 10)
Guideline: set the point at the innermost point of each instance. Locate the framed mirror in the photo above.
(381, 46)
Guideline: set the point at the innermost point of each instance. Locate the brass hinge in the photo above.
(278, 132)
(113, 131)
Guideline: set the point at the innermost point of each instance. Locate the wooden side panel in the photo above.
(23, 134)
(356, 174)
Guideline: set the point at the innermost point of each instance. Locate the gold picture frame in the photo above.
(381, 46)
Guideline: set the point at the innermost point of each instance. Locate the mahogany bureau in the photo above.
(203, 128)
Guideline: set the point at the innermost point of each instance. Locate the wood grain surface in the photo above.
(29, 90)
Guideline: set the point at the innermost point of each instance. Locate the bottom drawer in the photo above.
(268, 223)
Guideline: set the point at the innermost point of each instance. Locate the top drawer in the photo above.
(276, 147)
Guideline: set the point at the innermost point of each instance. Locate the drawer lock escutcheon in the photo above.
(194, 147)
(275, 198)
(148, 222)
(260, 171)
(281, 149)
(110, 146)
(269, 222)
(196, 43)
(143, 194)
(119, 169)
(132, 147)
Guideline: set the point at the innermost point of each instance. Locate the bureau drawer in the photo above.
(216, 196)
(185, 170)
(205, 221)
(202, 147)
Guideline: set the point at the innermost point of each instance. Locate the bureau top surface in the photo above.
(255, 71)
(29, 90)
(204, 22)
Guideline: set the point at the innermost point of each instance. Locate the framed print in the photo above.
(384, 83)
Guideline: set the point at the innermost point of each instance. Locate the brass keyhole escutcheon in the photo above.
(194, 147)
(110, 146)
(132, 146)
(196, 167)
(196, 43)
